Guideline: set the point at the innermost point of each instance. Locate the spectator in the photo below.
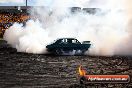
(7, 19)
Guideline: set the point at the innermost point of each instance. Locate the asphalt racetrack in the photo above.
(22, 70)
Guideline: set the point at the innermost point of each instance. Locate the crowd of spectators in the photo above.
(7, 19)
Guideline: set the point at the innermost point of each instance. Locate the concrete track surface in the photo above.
(21, 70)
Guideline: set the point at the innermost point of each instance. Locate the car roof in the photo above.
(65, 38)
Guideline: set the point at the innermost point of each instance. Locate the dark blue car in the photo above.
(70, 46)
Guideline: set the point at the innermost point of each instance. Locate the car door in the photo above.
(63, 44)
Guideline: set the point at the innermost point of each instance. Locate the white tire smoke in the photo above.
(106, 29)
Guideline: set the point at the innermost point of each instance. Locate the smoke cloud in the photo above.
(125, 47)
(108, 29)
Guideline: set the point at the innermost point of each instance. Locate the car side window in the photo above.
(74, 41)
(68, 41)
(64, 41)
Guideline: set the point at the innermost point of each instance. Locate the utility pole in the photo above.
(26, 3)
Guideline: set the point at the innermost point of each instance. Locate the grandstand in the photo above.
(11, 14)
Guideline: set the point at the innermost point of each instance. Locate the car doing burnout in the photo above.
(68, 45)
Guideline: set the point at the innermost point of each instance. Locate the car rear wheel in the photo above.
(83, 52)
(80, 52)
(58, 52)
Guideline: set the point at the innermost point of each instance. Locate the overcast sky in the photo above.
(16, 2)
(85, 3)
(44, 2)
(33, 2)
